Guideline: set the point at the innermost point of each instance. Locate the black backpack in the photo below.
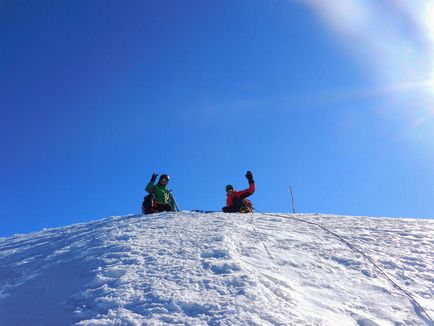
(149, 205)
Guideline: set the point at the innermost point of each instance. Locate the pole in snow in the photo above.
(292, 199)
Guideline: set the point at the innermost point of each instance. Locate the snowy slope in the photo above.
(218, 269)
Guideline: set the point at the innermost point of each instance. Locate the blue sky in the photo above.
(335, 100)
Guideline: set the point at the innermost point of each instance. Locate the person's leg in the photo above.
(229, 209)
(164, 207)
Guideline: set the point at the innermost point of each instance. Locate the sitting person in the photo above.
(236, 201)
(159, 199)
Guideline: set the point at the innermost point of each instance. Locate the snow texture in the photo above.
(193, 268)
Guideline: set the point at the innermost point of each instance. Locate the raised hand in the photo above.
(154, 177)
(249, 176)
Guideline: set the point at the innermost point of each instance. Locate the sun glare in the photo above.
(399, 51)
(429, 19)
(429, 25)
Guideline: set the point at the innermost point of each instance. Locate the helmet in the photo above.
(164, 176)
(229, 187)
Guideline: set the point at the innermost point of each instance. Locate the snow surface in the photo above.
(218, 269)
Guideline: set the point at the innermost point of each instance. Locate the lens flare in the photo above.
(394, 39)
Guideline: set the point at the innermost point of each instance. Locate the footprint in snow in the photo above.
(225, 268)
(216, 253)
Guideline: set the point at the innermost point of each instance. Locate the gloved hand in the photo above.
(249, 177)
(154, 177)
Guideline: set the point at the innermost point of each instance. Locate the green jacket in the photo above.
(162, 195)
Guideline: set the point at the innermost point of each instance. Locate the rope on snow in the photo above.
(353, 248)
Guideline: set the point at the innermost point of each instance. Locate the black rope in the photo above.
(352, 247)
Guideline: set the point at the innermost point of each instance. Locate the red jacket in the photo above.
(240, 194)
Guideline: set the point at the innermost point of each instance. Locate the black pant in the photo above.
(150, 207)
(164, 207)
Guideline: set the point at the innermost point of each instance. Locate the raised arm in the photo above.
(150, 186)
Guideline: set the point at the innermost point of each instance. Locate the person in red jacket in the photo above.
(236, 201)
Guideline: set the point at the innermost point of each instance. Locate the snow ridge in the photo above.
(218, 269)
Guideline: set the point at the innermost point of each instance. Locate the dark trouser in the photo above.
(149, 206)
(164, 207)
(235, 208)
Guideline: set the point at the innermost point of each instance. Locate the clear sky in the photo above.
(334, 98)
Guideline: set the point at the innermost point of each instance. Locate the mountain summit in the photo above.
(219, 269)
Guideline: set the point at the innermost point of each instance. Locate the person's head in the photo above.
(229, 189)
(164, 179)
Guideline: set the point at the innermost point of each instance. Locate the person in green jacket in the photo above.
(162, 198)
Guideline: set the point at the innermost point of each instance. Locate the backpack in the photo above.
(149, 204)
